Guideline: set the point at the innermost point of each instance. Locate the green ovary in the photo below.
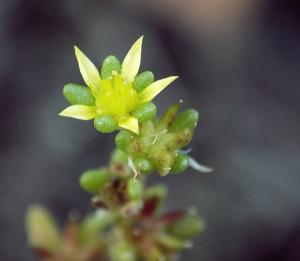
(116, 98)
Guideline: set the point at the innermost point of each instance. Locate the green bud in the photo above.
(181, 162)
(122, 250)
(168, 117)
(110, 63)
(144, 166)
(78, 94)
(105, 124)
(143, 80)
(119, 156)
(134, 189)
(187, 228)
(145, 111)
(185, 119)
(122, 139)
(93, 180)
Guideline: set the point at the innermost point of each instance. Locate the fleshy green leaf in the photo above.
(94, 223)
(122, 250)
(180, 164)
(105, 124)
(142, 80)
(93, 180)
(170, 242)
(78, 94)
(155, 88)
(185, 119)
(80, 112)
(132, 61)
(119, 156)
(187, 228)
(134, 189)
(41, 228)
(144, 166)
(88, 71)
(145, 111)
(110, 63)
(123, 139)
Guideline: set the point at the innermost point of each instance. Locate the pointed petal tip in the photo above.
(132, 60)
(76, 49)
(155, 88)
(130, 124)
(78, 52)
(63, 114)
(80, 112)
(140, 39)
(88, 70)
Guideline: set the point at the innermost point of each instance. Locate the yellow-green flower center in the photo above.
(116, 98)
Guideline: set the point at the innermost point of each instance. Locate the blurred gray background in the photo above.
(239, 65)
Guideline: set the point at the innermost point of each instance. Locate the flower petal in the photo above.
(132, 61)
(88, 70)
(131, 124)
(80, 112)
(155, 88)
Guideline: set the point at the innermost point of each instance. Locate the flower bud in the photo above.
(122, 139)
(180, 164)
(134, 189)
(95, 179)
(168, 117)
(163, 159)
(142, 80)
(177, 140)
(187, 228)
(78, 94)
(186, 119)
(105, 124)
(145, 111)
(110, 63)
(143, 166)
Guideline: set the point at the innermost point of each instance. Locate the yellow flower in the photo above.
(115, 96)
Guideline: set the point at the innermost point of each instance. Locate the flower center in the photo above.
(116, 97)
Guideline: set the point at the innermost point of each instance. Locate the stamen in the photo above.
(132, 167)
(156, 135)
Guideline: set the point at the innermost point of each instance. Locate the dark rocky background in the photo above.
(239, 65)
